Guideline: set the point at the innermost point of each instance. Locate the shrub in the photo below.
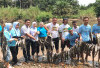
(44, 16)
(33, 13)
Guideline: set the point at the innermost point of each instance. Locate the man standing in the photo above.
(63, 31)
(25, 31)
(53, 28)
(85, 32)
(75, 27)
(96, 30)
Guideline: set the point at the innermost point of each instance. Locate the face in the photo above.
(74, 24)
(54, 20)
(86, 20)
(17, 26)
(4, 25)
(65, 21)
(41, 24)
(34, 25)
(27, 23)
(98, 19)
(10, 27)
(71, 32)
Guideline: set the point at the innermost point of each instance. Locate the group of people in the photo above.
(32, 34)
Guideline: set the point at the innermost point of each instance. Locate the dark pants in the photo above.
(35, 47)
(28, 44)
(56, 42)
(42, 43)
(89, 42)
(95, 41)
(63, 44)
(25, 54)
(14, 52)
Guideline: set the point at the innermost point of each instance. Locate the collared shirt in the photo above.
(33, 31)
(72, 38)
(25, 30)
(53, 29)
(85, 32)
(76, 29)
(64, 30)
(95, 29)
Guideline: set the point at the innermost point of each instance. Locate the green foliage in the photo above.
(46, 5)
(89, 12)
(11, 14)
(5, 3)
(42, 10)
(60, 8)
(97, 8)
(44, 16)
(85, 12)
(8, 13)
(65, 8)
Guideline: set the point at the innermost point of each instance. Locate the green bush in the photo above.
(33, 13)
(82, 13)
(44, 16)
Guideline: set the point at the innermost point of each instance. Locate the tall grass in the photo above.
(89, 13)
(9, 14)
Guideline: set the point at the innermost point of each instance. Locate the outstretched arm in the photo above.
(30, 36)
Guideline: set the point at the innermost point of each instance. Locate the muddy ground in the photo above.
(45, 64)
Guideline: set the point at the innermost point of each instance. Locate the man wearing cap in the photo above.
(63, 31)
(72, 37)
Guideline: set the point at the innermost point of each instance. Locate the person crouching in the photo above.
(72, 37)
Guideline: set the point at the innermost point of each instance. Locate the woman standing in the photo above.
(42, 36)
(9, 40)
(15, 32)
(34, 43)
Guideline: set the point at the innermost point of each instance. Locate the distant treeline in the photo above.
(59, 8)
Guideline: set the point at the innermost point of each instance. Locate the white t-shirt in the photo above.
(32, 32)
(76, 29)
(64, 30)
(53, 29)
(25, 30)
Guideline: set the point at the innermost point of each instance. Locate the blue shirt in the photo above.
(7, 34)
(72, 38)
(95, 29)
(43, 32)
(15, 32)
(85, 32)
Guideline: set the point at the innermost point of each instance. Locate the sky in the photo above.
(86, 2)
(82, 2)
